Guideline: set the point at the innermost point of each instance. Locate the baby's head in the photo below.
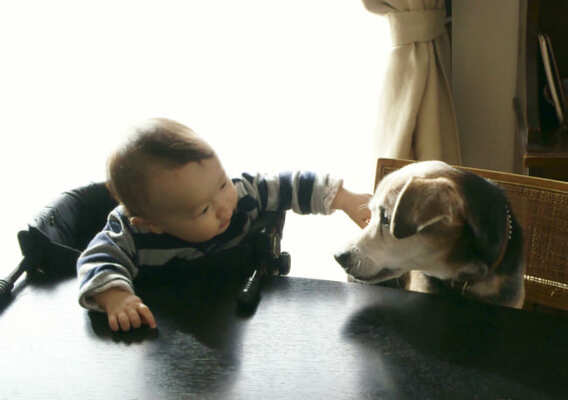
(171, 181)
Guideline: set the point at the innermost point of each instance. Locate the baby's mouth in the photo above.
(224, 224)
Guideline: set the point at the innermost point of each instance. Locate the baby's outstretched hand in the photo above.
(353, 204)
(124, 309)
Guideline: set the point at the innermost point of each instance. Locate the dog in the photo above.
(438, 229)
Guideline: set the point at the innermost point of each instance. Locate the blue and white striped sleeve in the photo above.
(108, 261)
(302, 191)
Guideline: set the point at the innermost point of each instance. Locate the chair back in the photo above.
(541, 207)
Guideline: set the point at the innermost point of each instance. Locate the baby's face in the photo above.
(194, 202)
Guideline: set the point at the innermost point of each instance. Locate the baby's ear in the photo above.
(145, 225)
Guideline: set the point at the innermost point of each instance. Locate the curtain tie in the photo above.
(416, 26)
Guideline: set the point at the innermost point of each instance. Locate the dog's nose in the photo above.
(343, 258)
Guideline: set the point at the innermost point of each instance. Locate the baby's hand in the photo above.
(124, 309)
(353, 204)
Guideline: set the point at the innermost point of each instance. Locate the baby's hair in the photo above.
(157, 142)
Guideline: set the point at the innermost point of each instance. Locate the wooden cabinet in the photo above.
(544, 143)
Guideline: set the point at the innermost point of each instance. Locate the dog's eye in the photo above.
(384, 218)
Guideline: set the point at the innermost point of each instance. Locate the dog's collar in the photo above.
(508, 234)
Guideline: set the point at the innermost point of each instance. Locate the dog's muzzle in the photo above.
(362, 270)
(345, 259)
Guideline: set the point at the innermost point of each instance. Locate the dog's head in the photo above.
(430, 217)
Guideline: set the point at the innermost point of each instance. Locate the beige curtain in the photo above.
(416, 111)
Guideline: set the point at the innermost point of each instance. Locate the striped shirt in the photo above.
(115, 255)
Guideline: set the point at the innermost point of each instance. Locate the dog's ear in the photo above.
(423, 202)
(485, 216)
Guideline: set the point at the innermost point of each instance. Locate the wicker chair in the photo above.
(541, 207)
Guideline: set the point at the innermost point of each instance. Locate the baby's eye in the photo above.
(224, 185)
(204, 210)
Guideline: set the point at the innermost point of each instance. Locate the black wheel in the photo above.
(284, 263)
(250, 294)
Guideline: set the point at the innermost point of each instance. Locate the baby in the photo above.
(176, 201)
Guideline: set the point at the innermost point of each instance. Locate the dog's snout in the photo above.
(344, 258)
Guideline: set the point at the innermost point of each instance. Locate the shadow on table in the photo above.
(197, 348)
(429, 339)
(199, 300)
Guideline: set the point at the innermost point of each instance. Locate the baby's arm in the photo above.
(105, 270)
(355, 205)
(307, 193)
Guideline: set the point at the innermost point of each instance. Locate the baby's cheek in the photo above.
(235, 197)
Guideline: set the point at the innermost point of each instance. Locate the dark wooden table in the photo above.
(307, 339)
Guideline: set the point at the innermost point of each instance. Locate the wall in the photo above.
(484, 47)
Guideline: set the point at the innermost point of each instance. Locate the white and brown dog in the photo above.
(439, 229)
